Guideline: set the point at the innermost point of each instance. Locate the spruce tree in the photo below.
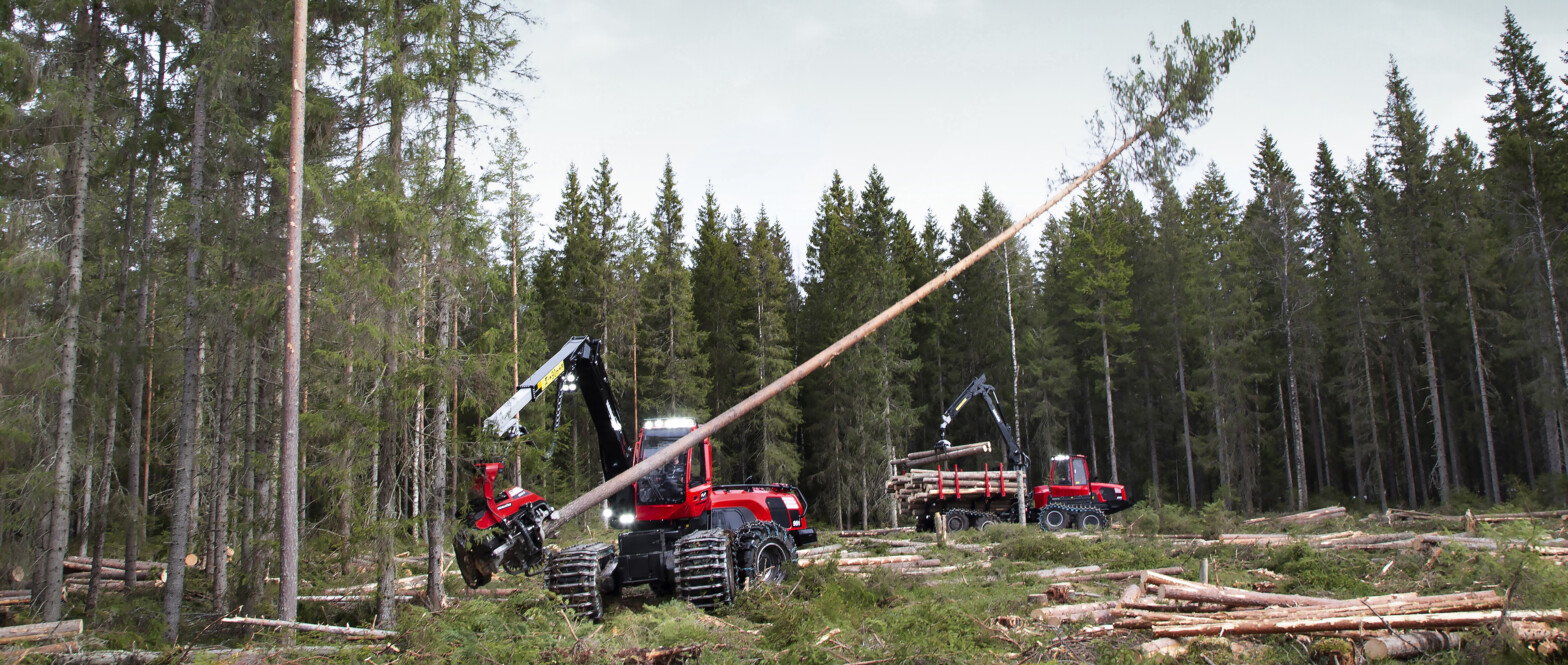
(670, 347)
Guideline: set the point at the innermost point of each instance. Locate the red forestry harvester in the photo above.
(687, 536)
(1071, 499)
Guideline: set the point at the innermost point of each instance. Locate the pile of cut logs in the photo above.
(1356, 540)
(1391, 626)
(915, 488)
(78, 572)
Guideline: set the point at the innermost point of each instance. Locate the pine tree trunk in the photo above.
(1439, 440)
(65, 438)
(136, 517)
(1299, 445)
(218, 558)
(290, 498)
(1366, 366)
(250, 595)
(1110, 407)
(1291, 479)
(1325, 480)
(1186, 424)
(386, 603)
(190, 394)
(1404, 433)
(1539, 217)
(1148, 435)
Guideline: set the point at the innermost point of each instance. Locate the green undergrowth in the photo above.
(823, 615)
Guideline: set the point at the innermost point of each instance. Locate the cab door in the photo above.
(699, 479)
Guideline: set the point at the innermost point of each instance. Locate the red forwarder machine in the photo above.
(1072, 499)
(686, 536)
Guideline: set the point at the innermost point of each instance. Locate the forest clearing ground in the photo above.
(825, 615)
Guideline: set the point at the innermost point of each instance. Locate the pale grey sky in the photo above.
(766, 100)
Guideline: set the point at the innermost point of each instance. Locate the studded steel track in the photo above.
(1075, 510)
(705, 568)
(573, 574)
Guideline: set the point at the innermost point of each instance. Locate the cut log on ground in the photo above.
(400, 584)
(40, 631)
(1361, 622)
(1061, 614)
(812, 552)
(875, 532)
(347, 631)
(1302, 518)
(864, 561)
(356, 598)
(117, 657)
(1058, 573)
(1239, 597)
(1410, 645)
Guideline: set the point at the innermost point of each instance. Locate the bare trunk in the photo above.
(386, 603)
(1439, 439)
(1480, 376)
(1539, 217)
(289, 499)
(1186, 424)
(1110, 406)
(1291, 480)
(190, 395)
(1012, 337)
(65, 438)
(249, 571)
(218, 568)
(1404, 433)
(1148, 435)
(435, 511)
(1299, 445)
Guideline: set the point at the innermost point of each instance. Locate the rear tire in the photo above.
(956, 521)
(1093, 520)
(1054, 519)
(985, 522)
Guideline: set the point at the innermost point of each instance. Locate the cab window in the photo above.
(699, 468)
(1080, 472)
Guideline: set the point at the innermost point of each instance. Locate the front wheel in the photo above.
(766, 552)
(1053, 519)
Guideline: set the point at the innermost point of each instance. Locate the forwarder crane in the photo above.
(1071, 499)
(687, 537)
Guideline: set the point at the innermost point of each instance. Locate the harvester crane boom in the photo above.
(579, 366)
(1016, 459)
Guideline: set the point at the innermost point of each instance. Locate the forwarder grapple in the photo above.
(686, 536)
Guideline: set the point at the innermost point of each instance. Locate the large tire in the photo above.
(1054, 519)
(573, 574)
(956, 520)
(1093, 520)
(705, 568)
(766, 553)
(985, 521)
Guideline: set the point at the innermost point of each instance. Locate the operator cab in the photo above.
(680, 489)
(1072, 470)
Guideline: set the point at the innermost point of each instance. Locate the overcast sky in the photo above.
(766, 100)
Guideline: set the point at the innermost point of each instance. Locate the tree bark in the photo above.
(386, 606)
(65, 438)
(190, 395)
(1110, 408)
(217, 558)
(1186, 425)
(1439, 438)
(1404, 433)
(288, 470)
(133, 487)
(1480, 376)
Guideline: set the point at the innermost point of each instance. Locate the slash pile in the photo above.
(1389, 626)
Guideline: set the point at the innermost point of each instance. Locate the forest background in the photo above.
(1380, 329)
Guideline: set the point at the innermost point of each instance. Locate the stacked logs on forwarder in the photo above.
(918, 488)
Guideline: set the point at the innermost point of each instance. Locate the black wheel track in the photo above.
(573, 574)
(705, 568)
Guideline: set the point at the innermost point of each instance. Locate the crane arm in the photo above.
(504, 423)
(1016, 459)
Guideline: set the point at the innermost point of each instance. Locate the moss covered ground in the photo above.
(831, 617)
